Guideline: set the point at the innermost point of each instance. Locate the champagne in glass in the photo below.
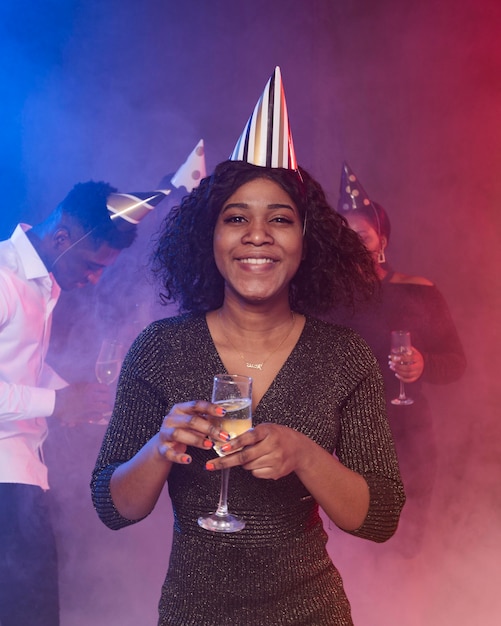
(401, 349)
(233, 393)
(236, 421)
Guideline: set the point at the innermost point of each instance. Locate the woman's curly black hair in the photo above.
(336, 269)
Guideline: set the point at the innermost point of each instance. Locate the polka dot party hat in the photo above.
(133, 207)
(353, 197)
(351, 193)
(192, 170)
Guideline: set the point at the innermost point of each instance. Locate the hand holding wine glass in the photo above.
(234, 393)
(401, 349)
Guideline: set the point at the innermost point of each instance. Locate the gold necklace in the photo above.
(256, 366)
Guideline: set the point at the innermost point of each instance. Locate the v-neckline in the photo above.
(278, 375)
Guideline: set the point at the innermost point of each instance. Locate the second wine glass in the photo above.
(108, 364)
(401, 348)
(234, 393)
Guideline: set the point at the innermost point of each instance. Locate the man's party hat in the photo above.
(132, 207)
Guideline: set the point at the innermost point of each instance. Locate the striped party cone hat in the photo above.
(267, 139)
(133, 207)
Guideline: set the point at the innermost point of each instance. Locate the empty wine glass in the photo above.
(108, 364)
(401, 348)
(234, 393)
(109, 361)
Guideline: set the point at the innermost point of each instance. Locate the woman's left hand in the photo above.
(272, 451)
(407, 368)
(268, 451)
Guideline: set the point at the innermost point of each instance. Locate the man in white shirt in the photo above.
(68, 250)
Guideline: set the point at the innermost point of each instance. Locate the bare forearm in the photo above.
(136, 485)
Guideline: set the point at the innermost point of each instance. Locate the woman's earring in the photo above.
(381, 257)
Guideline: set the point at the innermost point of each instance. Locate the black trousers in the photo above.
(28, 558)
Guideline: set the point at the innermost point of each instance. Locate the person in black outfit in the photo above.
(415, 304)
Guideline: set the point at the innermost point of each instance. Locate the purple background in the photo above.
(409, 93)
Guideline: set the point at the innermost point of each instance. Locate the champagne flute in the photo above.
(234, 393)
(108, 364)
(400, 348)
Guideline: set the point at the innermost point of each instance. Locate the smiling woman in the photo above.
(235, 257)
(258, 241)
(247, 256)
(325, 242)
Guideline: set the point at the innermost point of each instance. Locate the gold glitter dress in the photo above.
(276, 571)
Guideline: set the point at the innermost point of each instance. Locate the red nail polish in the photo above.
(226, 447)
(208, 443)
(186, 459)
(221, 411)
(210, 466)
(224, 435)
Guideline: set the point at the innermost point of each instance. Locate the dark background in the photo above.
(409, 94)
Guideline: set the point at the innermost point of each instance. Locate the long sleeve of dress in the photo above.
(366, 444)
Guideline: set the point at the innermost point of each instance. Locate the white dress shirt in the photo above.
(28, 295)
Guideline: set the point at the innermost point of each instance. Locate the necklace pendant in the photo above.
(254, 366)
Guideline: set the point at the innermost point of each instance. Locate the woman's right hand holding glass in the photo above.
(407, 370)
(194, 424)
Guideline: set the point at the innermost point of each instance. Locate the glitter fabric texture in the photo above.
(277, 570)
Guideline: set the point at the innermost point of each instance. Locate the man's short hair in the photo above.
(86, 203)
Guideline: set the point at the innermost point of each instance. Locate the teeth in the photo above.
(257, 261)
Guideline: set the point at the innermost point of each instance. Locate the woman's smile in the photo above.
(258, 261)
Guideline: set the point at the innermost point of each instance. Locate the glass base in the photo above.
(221, 523)
(402, 401)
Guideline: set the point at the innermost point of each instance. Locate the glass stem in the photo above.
(222, 507)
(402, 392)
